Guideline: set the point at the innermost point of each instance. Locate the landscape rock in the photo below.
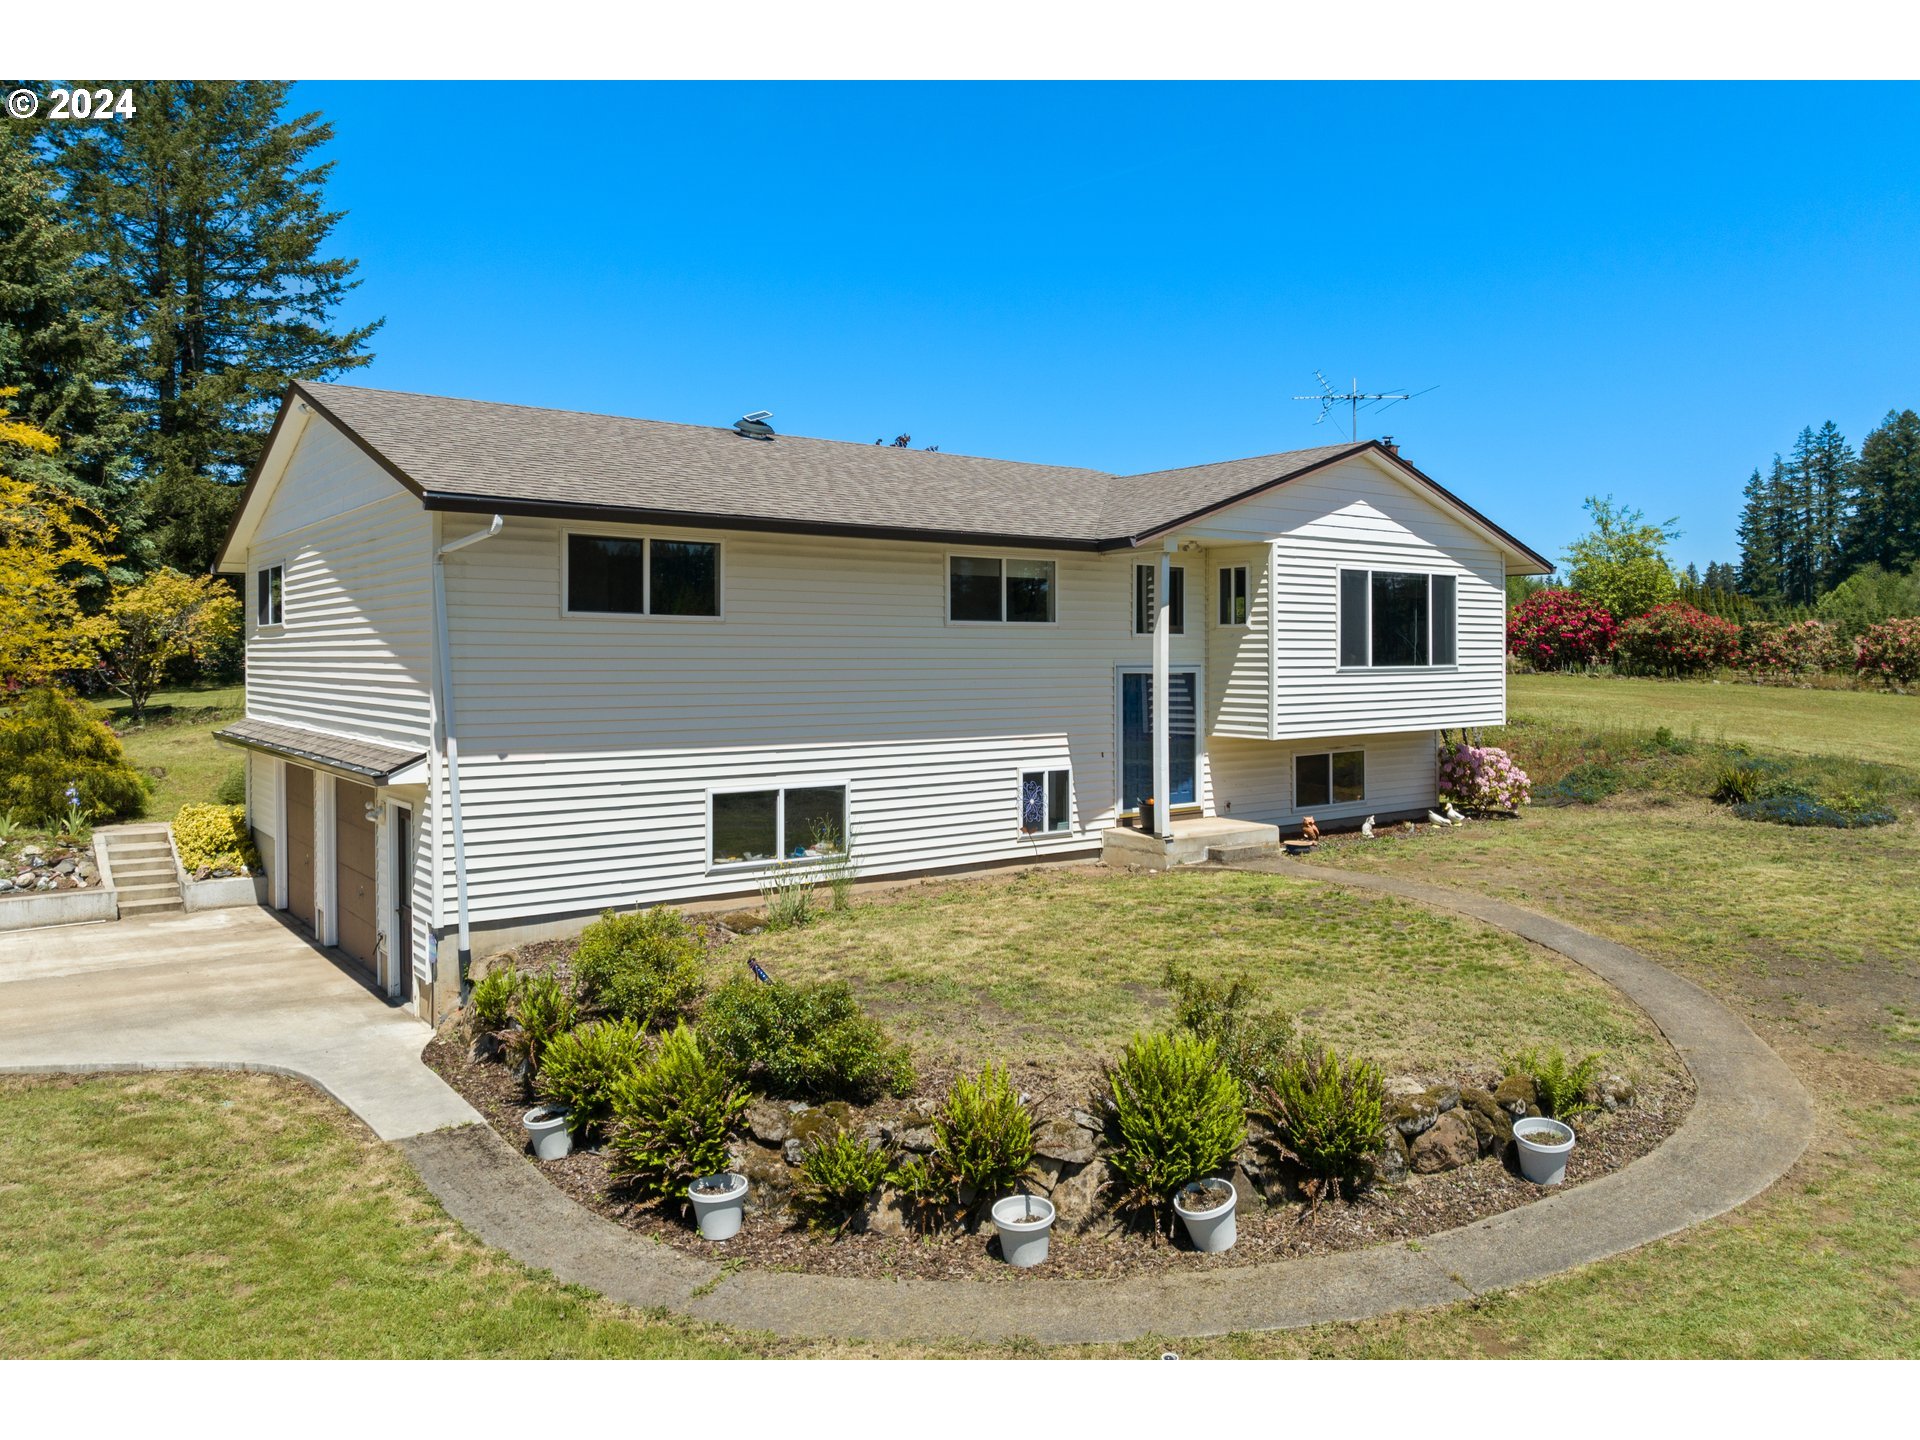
(1414, 1115)
(769, 1122)
(1613, 1092)
(794, 1151)
(1079, 1201)
(1400, 1087)
(5, 885)
(1064, 1141)
(915, 1139)
(24, 879)
(1088, 1121)
(1247, 1192)
(1443, 1097)
(1447, 1145)
(1390, 1164)
(66, 866)
(886, 1214)
(1516, 1095)
(822, 1122)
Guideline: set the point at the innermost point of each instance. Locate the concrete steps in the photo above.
(140, 858)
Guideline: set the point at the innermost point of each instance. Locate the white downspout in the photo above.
(1162, 698)
(449, 738)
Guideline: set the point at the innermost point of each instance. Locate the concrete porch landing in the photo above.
(1195, 840)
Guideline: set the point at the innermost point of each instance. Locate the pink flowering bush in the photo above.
(1675, 639)
(1482, 777)
(1805, 647)
(1560, 630)
(1889, 652)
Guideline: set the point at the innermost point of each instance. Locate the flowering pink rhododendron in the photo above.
(1483, 777)
(1560, 630)
(1676, 639)
(1889, 652)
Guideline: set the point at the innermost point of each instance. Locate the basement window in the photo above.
(759, 827)
(1336, 777)
(634, 575)
(1046, 801)
(269, 588)
(1143, 600)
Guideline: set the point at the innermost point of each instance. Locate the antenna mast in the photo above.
(1329, 398)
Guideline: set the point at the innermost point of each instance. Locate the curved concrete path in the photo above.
(1750, 1122)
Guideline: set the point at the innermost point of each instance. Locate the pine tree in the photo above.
(1763, 533)
(207, 207)
(1829, 465)
(1884, 529)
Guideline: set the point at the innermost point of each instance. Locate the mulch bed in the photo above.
(1424, 1205)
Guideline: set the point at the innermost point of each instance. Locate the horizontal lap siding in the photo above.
(1253, 779)
(1239, 658)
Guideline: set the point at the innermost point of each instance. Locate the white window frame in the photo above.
(1245, 586)
(1293, 775)
(646, 539)
(1002, 557)
(1339, 619)
(1020, 800)
(780, 789)
(1133, 598)
(280, 622)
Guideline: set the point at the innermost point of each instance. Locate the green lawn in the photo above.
(174, 745)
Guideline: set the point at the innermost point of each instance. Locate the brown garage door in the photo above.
(300, 843)
(353, 849)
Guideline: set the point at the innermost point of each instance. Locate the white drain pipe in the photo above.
(449, 746)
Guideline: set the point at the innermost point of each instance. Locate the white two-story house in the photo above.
(507, 667)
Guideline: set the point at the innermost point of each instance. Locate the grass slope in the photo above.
(174, 746)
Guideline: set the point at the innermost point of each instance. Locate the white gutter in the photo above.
(449, 746)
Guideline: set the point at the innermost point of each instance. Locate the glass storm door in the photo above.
(1136, 738)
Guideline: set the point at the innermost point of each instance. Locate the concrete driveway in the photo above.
(221, 989)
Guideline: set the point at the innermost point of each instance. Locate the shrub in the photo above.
(490, 1003)
(214, 837)
(1180, 1114)
(672, 1115)
(810, 1042)
(1482, 777)
(1889, 652)
(232, 789)
(1560, 1085)
(923, 1183)
(1739, 784)
(50, 743)
(644, 967)
(1587, 783)
(983, 1135)
(1806, 647)
(1676, 640)
(580, 1068)
(1252, 1037)
(1326, 1112)
(542, 1011)
(1560, 630)
(837, 1174)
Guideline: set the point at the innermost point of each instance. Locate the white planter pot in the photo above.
(1024, 1222)
(719, 1210)
(1211, 1229)
(1544, 1146)
(547, 1132)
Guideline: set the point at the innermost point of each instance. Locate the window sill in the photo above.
(637, 615)
(1396, 670)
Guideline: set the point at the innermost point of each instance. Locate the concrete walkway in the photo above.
(216, 989)
(1750, 1122)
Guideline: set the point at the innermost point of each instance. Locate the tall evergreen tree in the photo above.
(1884, 529)
(1826, 463)
(207, 207)
(1763, 532)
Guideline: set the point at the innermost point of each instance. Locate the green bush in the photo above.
(215, 837)
(1326, 1112)
(232, 789)
(490, 1004)
(1562, 1086)
(983, 1135)
(50, 743)
(580, 1068)
(923, 1183)
(810, 1042)
(1180, 1114)
(1739, 784)
(644, 967)
(1252, 1036)
(542, 1011)
(1587, 783)
(837, 1174)
(672, 1116)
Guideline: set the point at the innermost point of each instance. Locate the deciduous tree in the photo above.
(1621, 564)
(147, 627)
(49, 543)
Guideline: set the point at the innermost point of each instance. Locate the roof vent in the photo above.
(754, 425)
(1386, 444)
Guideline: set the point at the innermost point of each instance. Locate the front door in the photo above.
(1136, 738)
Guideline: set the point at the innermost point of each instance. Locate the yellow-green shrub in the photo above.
(214, 837)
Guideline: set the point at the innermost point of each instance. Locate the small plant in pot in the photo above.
(1562, 1087)
(548, 1132)
(719, 1204)
(671, 1119)
(1544, 1145)
(1024, 1222)
(1205, 1207)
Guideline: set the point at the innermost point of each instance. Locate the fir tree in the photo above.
(207, 208)
(1763, 533)
(1826, 463)
(1884, 529)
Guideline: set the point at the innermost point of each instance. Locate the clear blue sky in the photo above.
(1640, 290)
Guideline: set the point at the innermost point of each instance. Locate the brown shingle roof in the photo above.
(477, 456)
(338, 752)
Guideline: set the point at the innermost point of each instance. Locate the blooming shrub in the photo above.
(1805, 647)
(1675, 640)
(1890, 652)
(1483, 777)
(1560, 630)
(215, 837)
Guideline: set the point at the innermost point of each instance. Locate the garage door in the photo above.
(353, 849)
(300, 843)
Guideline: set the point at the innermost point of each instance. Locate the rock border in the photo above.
(1751, 1120)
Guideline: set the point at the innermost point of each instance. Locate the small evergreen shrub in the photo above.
(1326, 1111)
(232, 789)
(1561, 1085)
(644, 967)
(809, 1042)
(923, 1183)
(1483, 777)
(837, 1175)
(490, 1003)
(1676, 640)
(1560, 630)
(1889, 652)
(983, 1135)
(672, 1116)
(215, 837)
(1251, 1036)
(51, 743)
(542, 1011)
(580, 1068)
(1181, 1116)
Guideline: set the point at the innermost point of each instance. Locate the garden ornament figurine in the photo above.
(1309, 831)
(1366, 828)
(1434, 817)
(1454, 817)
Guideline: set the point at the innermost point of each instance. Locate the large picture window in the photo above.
(991, 589)
(1337, 777)
(1143, 599)
(758, 827)
(1397, 619)
(629, 575)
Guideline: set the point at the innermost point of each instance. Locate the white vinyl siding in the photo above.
(1239, 657)
(1254, 779)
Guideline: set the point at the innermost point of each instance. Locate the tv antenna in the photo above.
(1353, 399)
